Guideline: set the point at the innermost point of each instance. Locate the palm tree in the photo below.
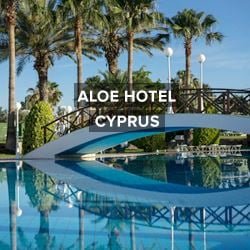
(81, 11)
(42, 35)
(139, 17)
(112, 39)
(4, 42)
(54, 95)
(180, 80)
(191, 25)
(9, 7)
(107, 81)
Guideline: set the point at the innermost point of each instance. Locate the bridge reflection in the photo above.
(231, 218)
(50, 194)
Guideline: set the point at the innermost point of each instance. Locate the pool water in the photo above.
(209, 172)
(139, 203)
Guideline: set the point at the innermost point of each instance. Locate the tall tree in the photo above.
(180, 80)
(9, 8)
(83, 13)
(4, 41)
(112, 39)
(42, 35)
(190, 25)
(139, 17)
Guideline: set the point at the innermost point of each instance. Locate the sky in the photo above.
(227, 64)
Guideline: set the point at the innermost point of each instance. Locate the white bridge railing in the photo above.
(213, 150)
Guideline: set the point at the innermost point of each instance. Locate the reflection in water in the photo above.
(11, 180)
(209, 172)
(132, 230)
(81, 220)
(97, 221)
(18, 168)
(153, 167)
(120, 214)
(35, 185)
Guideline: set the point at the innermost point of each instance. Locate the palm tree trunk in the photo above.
(112, 65)
(188, 134)
(42, 85)
(188, 51)
(41, 66)
(112, 53)
(130, 61)
(11, 20)
(78, 48)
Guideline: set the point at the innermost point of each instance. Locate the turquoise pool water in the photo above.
(208, 172)
(150, 202)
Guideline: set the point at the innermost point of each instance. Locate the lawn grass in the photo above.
(3, 132)
(133, 150)
(7, 156)
(233, 137)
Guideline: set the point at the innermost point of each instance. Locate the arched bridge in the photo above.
(232, 108)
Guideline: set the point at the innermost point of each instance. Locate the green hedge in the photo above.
(3, 132)
(206, 136)
(151, 143)
(40, 115)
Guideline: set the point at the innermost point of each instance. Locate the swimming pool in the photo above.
(149, 202)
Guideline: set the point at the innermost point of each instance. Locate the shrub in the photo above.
(151, 143)
(40, 115)
(206, 136)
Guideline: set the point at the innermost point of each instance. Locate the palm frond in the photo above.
(21, 63)
(214, 36)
